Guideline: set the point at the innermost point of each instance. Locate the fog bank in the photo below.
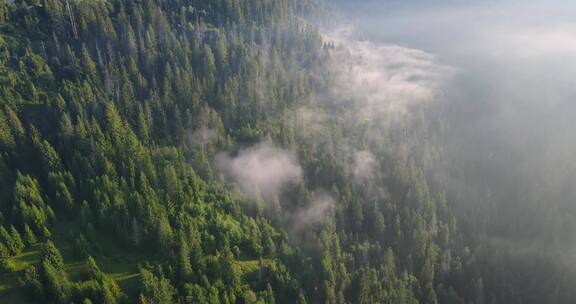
(510, 113)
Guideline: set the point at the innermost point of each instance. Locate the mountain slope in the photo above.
(195, 151)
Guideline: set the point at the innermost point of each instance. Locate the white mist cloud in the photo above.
(266, 171)
(383, 79)
(261, 170)
(541, 41)
(364, 166)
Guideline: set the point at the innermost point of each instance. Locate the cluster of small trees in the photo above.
(49, 281)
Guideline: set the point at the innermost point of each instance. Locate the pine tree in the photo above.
(56, 283)
(88, 63)
(164, 234)
(209, 66)
(3, 12)
(17, 240)
(7, 141)
(52, 255)
(156, 290)
(269, 298)
(184, 265)
(94, 270)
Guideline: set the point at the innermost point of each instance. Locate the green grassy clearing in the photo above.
(117, 262)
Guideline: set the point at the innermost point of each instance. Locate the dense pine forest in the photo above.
(198, 151)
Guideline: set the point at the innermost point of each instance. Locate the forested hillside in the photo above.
(197, 151)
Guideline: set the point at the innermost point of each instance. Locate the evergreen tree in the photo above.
(52, 256)
(156, 289)
(2, 11)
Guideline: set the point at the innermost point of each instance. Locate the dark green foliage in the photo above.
(52, 256)
(29, 236)
(156, 289)
(2, 12)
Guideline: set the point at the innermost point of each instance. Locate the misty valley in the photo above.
(287, 151)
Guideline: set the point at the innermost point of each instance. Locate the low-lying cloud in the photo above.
(315, 213)
(383, 80)
(261, 170)
(364, 166)
(266, 171)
